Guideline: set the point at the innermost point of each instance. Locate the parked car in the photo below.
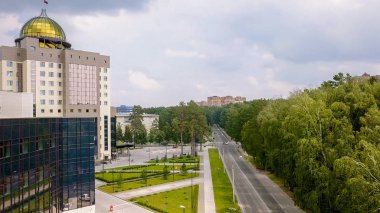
(85, 197)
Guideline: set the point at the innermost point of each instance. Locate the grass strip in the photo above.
(124, 186)
(221, 185)
(170, 201)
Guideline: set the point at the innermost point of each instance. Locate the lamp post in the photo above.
(173, 170)
(183, 208)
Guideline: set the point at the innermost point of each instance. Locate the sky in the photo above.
(166, 51)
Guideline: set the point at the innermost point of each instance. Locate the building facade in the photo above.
(221, 101)
(47, 164)
(14, 104)
(148, 120)
(64, 82)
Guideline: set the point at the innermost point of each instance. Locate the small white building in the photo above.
(148, 120)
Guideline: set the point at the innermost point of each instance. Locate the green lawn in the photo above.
(110, 177)
(151, 167)
(170, 201)
(184, 159)
(221, 185)
(110, 188)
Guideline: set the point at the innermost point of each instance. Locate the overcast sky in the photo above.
(167, 51)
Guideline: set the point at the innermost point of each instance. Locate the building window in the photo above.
(51, 65)
(51, 111)
(9, 83)
(79, 110)
(59, 102)
(105, 70)
(9, 73)
(59, 65)
(42, 73)
(60, 93)
(4, 149)
(51, 55)
(51, 74)
(51, 83)
(42, 83)
(94, 110)
(59, 111)
(51, 102)
(42, 111)
(59, 75)
(105, 103)
(87, 110)
(9, 63)
(71, 110)
(60, 84)
(105, 78)
(42, 64)
(51, 92)
(105, 86)
(42, 101)
(23, 146)
(105, 94)
(42, 92)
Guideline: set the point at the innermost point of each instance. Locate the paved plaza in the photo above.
(140, 156)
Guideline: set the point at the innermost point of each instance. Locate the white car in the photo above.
(85, 197)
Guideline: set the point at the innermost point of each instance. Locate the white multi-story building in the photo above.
(64, 82)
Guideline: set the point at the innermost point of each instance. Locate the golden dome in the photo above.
(46, 29)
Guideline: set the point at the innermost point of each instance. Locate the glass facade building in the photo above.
(47, 164)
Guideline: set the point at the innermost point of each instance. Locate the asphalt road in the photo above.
(254, 190)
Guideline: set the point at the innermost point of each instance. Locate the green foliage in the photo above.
(144, 176)
(323, 143)
(165, 172)
(183, 169)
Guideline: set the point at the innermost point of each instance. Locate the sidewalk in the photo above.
(155, 189)
(208, 187)
(104, 201)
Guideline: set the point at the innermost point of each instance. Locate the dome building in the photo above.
(49, 33)
(63, 83)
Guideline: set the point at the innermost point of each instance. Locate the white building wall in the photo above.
(16, 105)
(105, 112)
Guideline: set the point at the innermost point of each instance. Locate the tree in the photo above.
(119, 133)
(138, 130)
(183, 169)
(196, 124)
(165, 172)
(179, 122)
(144, 176)
(127, 134)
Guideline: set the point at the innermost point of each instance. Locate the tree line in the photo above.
(324, 143)
(182, 124)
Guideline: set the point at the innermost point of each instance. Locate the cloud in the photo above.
(184, 54)
(253, 81)
(74, 7)
(142, 81)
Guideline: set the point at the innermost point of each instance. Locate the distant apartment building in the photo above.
(63, 82)
(221, 101)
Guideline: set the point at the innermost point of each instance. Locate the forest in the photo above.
(324, 143)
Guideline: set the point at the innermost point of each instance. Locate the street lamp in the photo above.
(183, 208)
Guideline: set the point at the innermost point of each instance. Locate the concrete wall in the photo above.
(16, 105)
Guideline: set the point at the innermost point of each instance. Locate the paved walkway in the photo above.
(104, 201)
(158, 188)
(206, 203)
(208, 188)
